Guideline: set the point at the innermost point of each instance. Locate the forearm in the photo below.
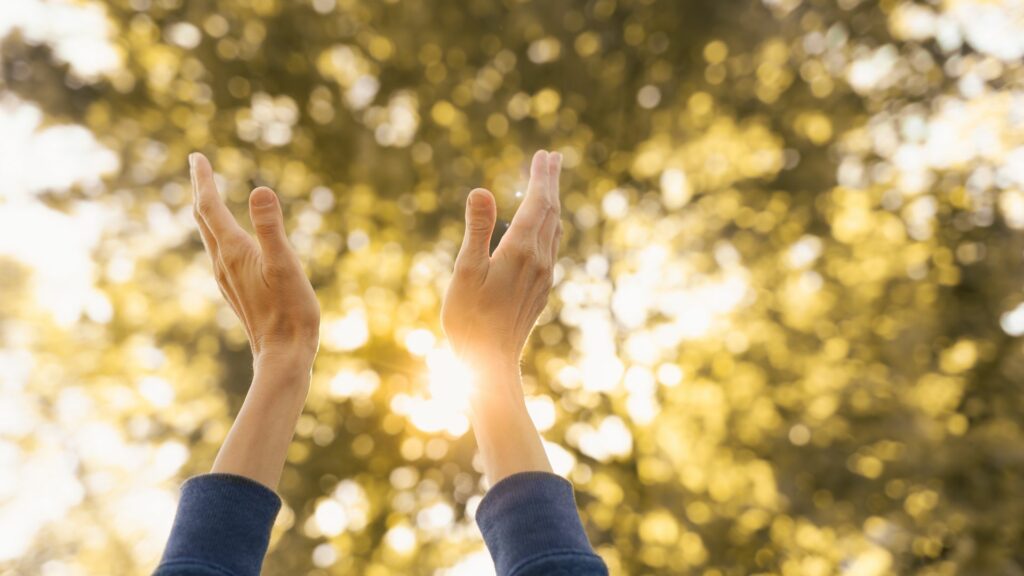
(506, 436)
(257, 444)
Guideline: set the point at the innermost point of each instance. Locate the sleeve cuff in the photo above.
(528, 515)
(223, 520)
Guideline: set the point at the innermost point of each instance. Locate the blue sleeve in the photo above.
(222, 527)
(531, 527)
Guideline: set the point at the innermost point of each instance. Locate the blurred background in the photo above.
(784, 337)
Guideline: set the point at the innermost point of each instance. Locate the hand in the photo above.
(262, 279)
(493, 301)
(490, 308)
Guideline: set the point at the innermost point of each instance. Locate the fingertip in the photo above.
(202, 175)
(480, 198)
(262, 196)
(540, 159)
(198, 161)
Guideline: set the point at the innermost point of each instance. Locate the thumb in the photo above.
(481, 214)
(268, 223)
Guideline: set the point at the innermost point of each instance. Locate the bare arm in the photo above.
(491, 307)
(263, 281)
(528, 518)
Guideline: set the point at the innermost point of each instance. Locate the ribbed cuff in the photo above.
(223, 520)
(528, 515)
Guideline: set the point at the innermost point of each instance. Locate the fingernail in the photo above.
(470, 199)
(192, 161)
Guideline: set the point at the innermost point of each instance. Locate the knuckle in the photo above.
(277, 269)
(544, 270)
(220, 276)
(266, 229)
(274, 270)
(204, 206)
(551, 207)
(535, 260)
(231, 256)
(527, 253)
(464, 268)
(479, 225)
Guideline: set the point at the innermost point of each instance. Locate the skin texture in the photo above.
(263, 281)
(492, 305)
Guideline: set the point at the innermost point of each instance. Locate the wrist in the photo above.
(295, 365)
(488, 362)
(497, 405)
(506, 436)
(286, 354)
(497, 384)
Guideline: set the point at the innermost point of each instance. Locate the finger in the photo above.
(546, 237)
(208, 201)
(556, 242)
(537, 204)
(552, 225)
(226, 289)
(209, 242)
(554, 171)
(213, 250)
(481, 214)
(268, 223)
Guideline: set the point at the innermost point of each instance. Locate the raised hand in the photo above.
(262, 279)
(492, 303)
(494, 300)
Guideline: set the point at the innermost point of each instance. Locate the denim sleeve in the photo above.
(222, 527)
(531, 527)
